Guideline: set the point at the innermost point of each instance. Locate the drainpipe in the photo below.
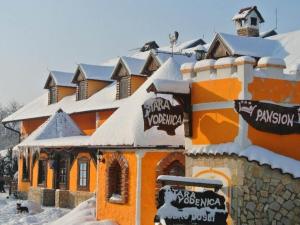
(139, 156)
(13, 130)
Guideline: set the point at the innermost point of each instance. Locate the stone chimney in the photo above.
(247, 21)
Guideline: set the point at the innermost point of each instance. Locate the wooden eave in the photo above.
(49, 79)
(217, 39)
(77, 73)
(114, 75)
(151, 55)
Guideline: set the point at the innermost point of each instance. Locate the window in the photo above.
(82, 90)
(62, 174)
(123, 87)
(83, 174)
(175, 169)
(117, 179)
(42, 172)
(25, 169)
(253, 21)
(52, 95)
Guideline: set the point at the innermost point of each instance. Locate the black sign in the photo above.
(161, 113)
(270, 117)
(182, 207)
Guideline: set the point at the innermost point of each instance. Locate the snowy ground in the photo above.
(83, 214)
(36, 216)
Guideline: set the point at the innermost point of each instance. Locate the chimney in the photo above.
(247, 21)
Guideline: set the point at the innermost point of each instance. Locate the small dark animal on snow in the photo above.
(21, 209)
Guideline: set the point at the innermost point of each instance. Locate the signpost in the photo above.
(182, 207)
(161, 113)
(269, 117)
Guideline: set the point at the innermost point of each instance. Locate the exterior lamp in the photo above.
(100, 156)
(52, 161)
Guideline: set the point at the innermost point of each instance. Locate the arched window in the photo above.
(175, 169)
(42, 172)
(83, 174)
(62, 174)
(25, 169)
(117, 179)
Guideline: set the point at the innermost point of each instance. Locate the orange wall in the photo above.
(74, 173)
(103, 116)
(148, 201)
(23, 186)
(85, 121)
(95, 86)
(278, 91)
(35, 173)
(275, 90)
(215, 90)
(65, 91)
(136, 82)
(28, 126)
(215, 126)
(124, 214)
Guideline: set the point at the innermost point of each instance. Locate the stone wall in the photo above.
(75, 198)
(259, 194)
(43, 196)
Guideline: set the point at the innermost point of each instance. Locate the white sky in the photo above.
(56, 34)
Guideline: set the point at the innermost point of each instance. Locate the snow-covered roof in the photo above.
(60, 78)
(104, 99)
(179, 47)
(58, 130)
(252, 46)
(96, 72)
(284, 46)
(252, 153)
(243, 13)
(171, 86)
(117, 131)
(179, 58)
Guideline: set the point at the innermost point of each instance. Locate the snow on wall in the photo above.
(252, 153)
(126, 127)
(162, 85)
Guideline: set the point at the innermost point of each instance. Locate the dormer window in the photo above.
(81, 90)
(253, 21)
(129, 77)
(124, 87)
(91, 79)
(59, 86)
(52, 95)
(151, 65)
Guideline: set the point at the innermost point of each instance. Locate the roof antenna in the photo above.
(276, 20)
(173, 40)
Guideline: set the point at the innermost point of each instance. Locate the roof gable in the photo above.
(93, 72)
(245, 12)
(58, 78)
(240, 45)
(128, 66)
(57, 126)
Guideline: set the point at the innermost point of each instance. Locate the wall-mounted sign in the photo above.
(270, 117)
(182, 207)
(161, 113)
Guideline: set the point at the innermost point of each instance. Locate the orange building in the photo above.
(245, 104)
(86, 137)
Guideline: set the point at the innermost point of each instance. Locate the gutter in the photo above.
(13, 130)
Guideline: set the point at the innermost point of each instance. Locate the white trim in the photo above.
(213, 105)
(139, 156)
